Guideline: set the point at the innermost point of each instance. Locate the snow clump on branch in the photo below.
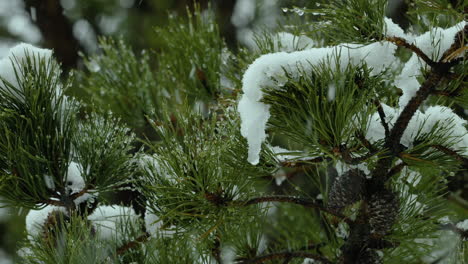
(11, 65)
(269, 70)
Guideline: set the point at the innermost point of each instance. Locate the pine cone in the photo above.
(346, 190)
(53, 225)
(383, 210)
(370, 257)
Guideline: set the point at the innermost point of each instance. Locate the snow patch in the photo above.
(36, 219)
(74, 180)
(14, 60)
(109, 219)
(267, 69)
(433, 43)
(423, 123)
(153, 225)
(463, 225)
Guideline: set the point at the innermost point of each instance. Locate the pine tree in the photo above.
(333, 140)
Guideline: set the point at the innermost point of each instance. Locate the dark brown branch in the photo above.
(132, 244)
(421, 95)
(285, 255)
(382, 117)
(54, 202)
(360, 136)
(401, 42)
(451, 152)
(310, 203)
(346, 155)
(395, 170)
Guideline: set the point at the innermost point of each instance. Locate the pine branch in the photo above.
(401, 42)
(346, 155)
(309, 203)
(132, 244)
(382, 117)
(360, 136)
(285, 255)
(403, 120)
(298, 163)
(452, 153)
(395, 170)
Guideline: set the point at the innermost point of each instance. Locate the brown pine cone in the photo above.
(346, 190)
(383, 210)
(369, 256)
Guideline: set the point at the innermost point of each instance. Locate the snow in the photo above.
(244, 13)
(436, 41)
(86, 197)
(5, 258)
(36, 219)
(16, 56)
(228, 255)
(283, 154)
(310, 261)
(285, 41)
(393, 30)
(463, 225)
(110, 221)
(153, 226)
(423, 123)
(49, 182)
(342, 168)
(433, 43)
(74, 179)
(151, 164)
(267, 69)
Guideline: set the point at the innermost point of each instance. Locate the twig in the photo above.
(395, 170)
(141, 239)
(310, 203)
(382, 117)
(456, 47)
(346, 155)
(296, 163)
(54, 202)
(360, 136)
(401, 42)
(287, 255)
(451, 152)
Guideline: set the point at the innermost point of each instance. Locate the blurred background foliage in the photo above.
(73, 28)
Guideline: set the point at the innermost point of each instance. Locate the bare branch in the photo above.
(382, 117)
(401, 42)
(141, 239)
(451, 152)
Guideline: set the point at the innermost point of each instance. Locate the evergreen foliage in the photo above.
(367, 181)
